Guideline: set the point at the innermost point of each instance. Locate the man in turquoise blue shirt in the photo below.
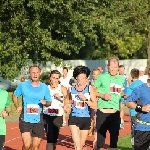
(35, 95)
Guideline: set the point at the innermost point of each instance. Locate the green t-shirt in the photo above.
(107, 84)
(4, 103)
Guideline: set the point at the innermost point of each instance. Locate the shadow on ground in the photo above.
(8, 148)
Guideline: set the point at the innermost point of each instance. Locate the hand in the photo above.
(81, 95)
(107, 97)
(19, 109)
(67, 108)
(125, 96)
(57, 95)
(4, 114)
(43, 102)
(146, 108)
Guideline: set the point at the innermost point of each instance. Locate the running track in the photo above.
(13, 138)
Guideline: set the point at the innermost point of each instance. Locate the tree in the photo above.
(50, 30)
(45, 77)
(42, 31)
(122, 27)
(148, 43)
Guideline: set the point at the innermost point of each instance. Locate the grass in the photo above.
(13, 111)
(124, 143)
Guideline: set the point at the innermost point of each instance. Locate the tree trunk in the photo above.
(148, 45)
(148, 51)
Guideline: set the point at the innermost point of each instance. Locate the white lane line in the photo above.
(13, 139)
(14, 128)
(63, 140)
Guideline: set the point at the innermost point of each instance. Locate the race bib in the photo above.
(32, 109)
(79, 104)
(53, 112)
(115, 88)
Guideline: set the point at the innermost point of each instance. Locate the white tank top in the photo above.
(56, 108)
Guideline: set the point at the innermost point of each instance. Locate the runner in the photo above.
(139, 100)
(135, 83)
(95, 74)
(143, 77)
(5, 108)
(35, 95)
(109, 87)
(81, 96)
(122, 102)
(64, 81)
(53, 115)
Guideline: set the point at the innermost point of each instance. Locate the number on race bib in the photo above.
(79, 104)
(32, 109)
(53, 111)
(115, 88)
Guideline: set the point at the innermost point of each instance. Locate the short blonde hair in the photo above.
(114, 59)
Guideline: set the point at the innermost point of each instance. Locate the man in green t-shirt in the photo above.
(5, 108)
(109, 87)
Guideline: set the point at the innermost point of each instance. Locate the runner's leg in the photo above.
(75, 132)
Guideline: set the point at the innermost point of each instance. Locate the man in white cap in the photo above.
(142, 77)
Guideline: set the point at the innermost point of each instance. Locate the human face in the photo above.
(100, 70)
(141, 73)
(113, 68)
(54, 79)
(81, 79)
(65, 72)
(35, 74)
(121, 70)
(95, 74)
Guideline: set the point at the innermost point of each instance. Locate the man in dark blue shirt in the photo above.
(140, 101)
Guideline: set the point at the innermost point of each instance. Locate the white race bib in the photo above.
(115, 88)
(32, 109)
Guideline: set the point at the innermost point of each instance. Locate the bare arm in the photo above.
(93, 102)
(67, 102)
(64, 91)
(131, 105)
(6, 112)
(47, 104)
(15, 101)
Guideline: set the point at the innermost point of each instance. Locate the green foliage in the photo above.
(50, 30)
(123, 28)
(45, 77)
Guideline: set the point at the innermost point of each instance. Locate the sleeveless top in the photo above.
(80, 107)
(56, 108)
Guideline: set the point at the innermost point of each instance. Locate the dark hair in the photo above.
(121, 66)
(65, 68)
(81, 69)
(55, 72)
(135, 73)
(71, 81)
(34, 66)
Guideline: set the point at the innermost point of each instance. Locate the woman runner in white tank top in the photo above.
(53, 115)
